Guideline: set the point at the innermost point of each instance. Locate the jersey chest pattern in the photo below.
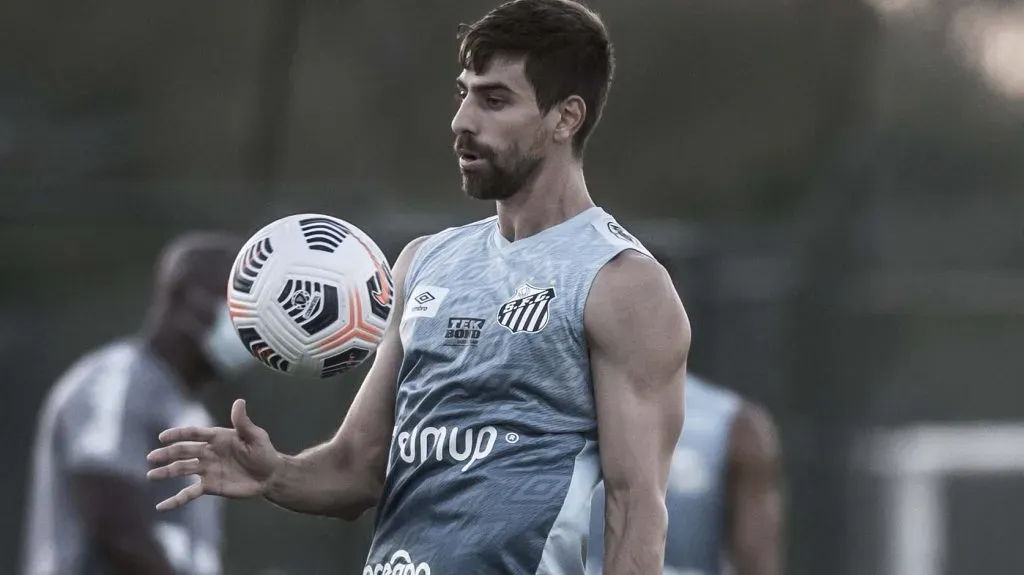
(493, 330)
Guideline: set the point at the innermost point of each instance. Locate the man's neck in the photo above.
(548, 200)
(171, 350)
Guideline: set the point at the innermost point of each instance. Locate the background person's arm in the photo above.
(755, 494)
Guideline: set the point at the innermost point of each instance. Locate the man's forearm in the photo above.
(635, 529)
(319, 482)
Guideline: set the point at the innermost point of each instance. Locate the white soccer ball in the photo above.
(311, 295)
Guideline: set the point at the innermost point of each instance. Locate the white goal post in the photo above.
(914, 463)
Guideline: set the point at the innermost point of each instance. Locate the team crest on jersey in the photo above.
(527, 311)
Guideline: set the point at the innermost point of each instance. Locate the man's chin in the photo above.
(482, 187)
(487, 195)
(474, 188)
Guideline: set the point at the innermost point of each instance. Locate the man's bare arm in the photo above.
(639, 339)
(755, 494)
(344, 477)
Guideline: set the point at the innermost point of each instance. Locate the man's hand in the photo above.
(639, 339)
(236, 463)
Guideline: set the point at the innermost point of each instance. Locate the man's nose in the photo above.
(464, 120)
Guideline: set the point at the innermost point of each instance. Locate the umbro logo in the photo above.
(424, 301)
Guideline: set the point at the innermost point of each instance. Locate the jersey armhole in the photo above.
(432, 242)
(417, 261)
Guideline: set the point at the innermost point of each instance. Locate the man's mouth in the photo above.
(469, 159)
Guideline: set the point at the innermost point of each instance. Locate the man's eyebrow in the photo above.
(484, 86)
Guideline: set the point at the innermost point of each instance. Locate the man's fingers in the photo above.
(240, 420)
(175, 434)
(176, 469)
(186, 450)
(184, 496)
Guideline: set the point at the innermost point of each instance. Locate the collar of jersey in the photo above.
(580, 219)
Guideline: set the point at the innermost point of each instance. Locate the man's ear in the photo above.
(571, 113)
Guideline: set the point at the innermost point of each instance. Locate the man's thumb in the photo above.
(240, 420)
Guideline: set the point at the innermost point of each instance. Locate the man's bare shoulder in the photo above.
(633, 317)
(632, 288)
(631, 272)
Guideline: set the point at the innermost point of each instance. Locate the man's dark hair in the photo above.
(566, 49)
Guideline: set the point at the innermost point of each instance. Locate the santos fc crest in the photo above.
(527, 310)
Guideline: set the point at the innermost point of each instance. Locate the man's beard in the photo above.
(496, 182)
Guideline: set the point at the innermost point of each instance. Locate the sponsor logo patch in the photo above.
(463, 331)
(401, 563)
(465, 445)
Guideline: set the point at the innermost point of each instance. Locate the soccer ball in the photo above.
(311, 295)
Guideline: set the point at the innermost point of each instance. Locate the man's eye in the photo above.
(495, 102)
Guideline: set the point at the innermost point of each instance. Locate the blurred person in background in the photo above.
(725, 488)
(515, 342)
(90, 510)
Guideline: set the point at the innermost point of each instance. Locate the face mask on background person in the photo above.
(223, 348)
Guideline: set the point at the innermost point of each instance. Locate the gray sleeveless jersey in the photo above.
(103, 416)
(494, 457)
(696, 498)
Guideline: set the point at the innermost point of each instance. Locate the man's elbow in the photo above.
(355, 507)
(353, 511)
(363, 495)
(361, 484)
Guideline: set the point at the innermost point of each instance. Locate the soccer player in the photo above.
(90, 511)
(516, 344)
(724, 490)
